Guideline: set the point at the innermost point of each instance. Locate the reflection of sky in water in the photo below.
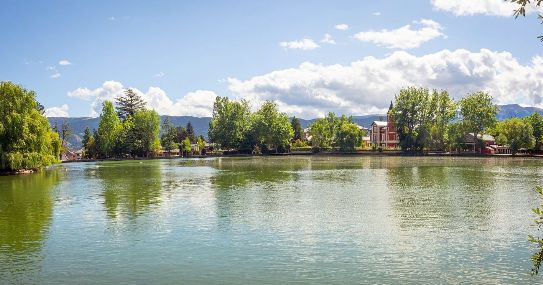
(272, 220)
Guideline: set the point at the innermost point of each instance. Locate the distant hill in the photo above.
(516, 111)
(201, 125)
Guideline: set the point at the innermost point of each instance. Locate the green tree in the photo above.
(349, 136)
(180, 134)
(230, 123)
(108, 130)
(89, 146)
(444, 113)
(167, 138)
(129, 104)
(536, 121)
(272, 128)
(65, 132)
(413, 114)
(186, 147)
(323, 131)
(201, 144)
(516, 133)
(478, 113)
(144, 133)
(297, 128)
(26, 138)
(456, 135)
(190, 132)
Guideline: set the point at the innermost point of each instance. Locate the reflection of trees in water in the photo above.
(246, 184)
(129, 187)
(430, 195)
(26, 210)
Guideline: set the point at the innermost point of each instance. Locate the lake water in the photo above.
(271, 220)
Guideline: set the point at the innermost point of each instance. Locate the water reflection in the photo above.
(434, 197)
(129, 189)
(26, 210)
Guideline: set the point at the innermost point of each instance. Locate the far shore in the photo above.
(326, 153)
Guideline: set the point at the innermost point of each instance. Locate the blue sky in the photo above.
(179, 55)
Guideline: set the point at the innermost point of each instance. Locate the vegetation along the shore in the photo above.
(424, 120)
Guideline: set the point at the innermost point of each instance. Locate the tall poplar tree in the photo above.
(108, 129)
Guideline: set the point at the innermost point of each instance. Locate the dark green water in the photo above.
(342, 220)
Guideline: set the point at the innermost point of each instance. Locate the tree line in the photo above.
(128, 129)
(427, 120)
(234, 127)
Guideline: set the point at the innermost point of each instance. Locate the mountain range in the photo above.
(201, 125)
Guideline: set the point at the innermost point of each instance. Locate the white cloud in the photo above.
(304, 44)
(64, 62)
(55, 75)
(341, 27)
(367, 86)
(198, 103)
(61, 111)
(474, 7)
(376, 14)
(160, 74)
(327, 39)
(404, 37)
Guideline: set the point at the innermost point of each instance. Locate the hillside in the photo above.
(201, 125)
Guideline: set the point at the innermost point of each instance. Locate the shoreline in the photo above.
(338, 154)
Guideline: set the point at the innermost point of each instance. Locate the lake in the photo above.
(272, 220)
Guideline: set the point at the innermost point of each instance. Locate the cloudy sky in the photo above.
(311, 57)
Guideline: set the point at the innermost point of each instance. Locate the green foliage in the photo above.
(478, 113)
(444, 112)
(167, 139)
(516, 133)
(230, 123)
(297, 128)
(143, 135)
(129, 104)
(190, 132)
(201, 144)
(26, 139)
(271, 128)
(108, 130)
(89, 145)
(323, 131)
(332, 131)
(536, 121)
(136, 136)
(299, 144)
(537, 257)
(349, 136)
(421, 118)
(186, 146)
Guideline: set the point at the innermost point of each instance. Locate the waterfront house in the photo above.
(488, 143)
(383, 134)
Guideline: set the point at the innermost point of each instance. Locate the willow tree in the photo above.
(26, 138)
